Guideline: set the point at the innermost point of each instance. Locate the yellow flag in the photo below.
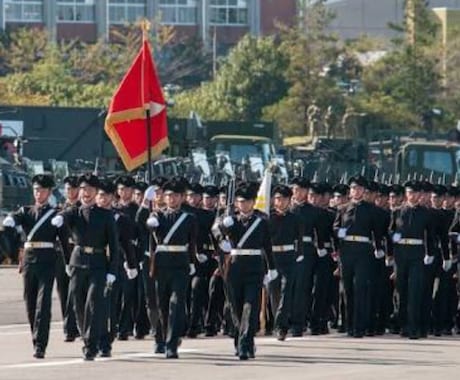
(263, 196)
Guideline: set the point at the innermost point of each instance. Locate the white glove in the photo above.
(192, 269)
(201, 257)
(68, 270)
(110, 278)
(396, 237)
(389, 262)
(228, 221)
(322, 252)
(458, 238)
(446, 265)
(131, 273)
(9, 222)
(300, 258)
(225, 246)
(342, 233)
(57, 221)
(428, 260)
(379, 254)
(270, 276)
(153, 222)
(149, 193)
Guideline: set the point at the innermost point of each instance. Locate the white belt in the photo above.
(356, 238)
(307, 239)
(172, 248)
(327, 245)
(245, 252)
(283, 248)
(208, 247)
(38, 244)
(406, 241)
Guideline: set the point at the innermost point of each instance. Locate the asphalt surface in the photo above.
(327, 357)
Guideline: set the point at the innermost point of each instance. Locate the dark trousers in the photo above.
(151, 303)
(38, 287)
(322, 287)
(142, 322)
(281, 295)
(87, 287)
(356, 270)
(109, 317)
(303, 287)
(442, 310)
(409, 282)
(244, 291)
(65, 299)
(215, 310)
(171, 288)
(199, 294)
(126, 303)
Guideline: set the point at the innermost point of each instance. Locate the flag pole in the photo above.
(145, 25)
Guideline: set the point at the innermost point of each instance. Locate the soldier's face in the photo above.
(125, 193)
(313, 198)
(104, 199)
(41, 194)
(436, 200)
(173, 200)
(159, 201)
(222, 200)
(193, 199)
(281, 203)
(356, 191)
(138, 196)
(299, 194)
(209, 202)
(70, 192)
(412, 196)
(87, 194)
(245, 205)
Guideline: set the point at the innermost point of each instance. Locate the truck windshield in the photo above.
(438, 161)
(240, 150)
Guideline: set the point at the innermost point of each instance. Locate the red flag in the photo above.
(126, 123)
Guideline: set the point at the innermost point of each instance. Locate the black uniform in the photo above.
(245, 273)
(286, 236)
(38, 268)
(172, 259)
(92, 229)
(412, 239)
(356, 225)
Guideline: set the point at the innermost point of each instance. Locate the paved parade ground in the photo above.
(328, 357)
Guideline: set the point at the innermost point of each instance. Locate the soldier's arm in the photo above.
(267, 244)
(192, 238)
(112, 240)
(429, 234)
(125, 233)
(377, 227)
(63, 234)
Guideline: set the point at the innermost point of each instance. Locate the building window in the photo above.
(126, 11)
(23, 10)
(229, 12)
(178, 12)
(75, 11)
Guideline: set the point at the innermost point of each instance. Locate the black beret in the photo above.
(452, 191)
(301, 182)
(396, 189)
(125, 180)
(246, 191)
(195, 188)
(283, 190)
(358, 180)
(341, 189)
(439, 190)
(159, 181)
(141, 186)
(180, 179)
(316, 188)
(107, 186)
(174, 185)
(426, 186)
(71, 180)
(43, 180)
(326, 188)
(372, 186)
(384, 189)
(413, 185)
(211, 191)
(90, 179)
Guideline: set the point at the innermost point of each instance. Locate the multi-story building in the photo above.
(90, 20)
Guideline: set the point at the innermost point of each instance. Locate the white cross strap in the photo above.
(42, 220)
(248, 232)
(174, 228)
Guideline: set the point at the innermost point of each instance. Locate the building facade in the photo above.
(90, 20)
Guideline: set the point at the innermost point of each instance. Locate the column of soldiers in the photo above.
(175, 259)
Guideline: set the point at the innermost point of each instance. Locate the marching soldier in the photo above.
(38, 265)
(62, 279)
(250, 238)
(412, 246)
(90, 268)
(173, 262)
(355, 226)
(286, 235)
